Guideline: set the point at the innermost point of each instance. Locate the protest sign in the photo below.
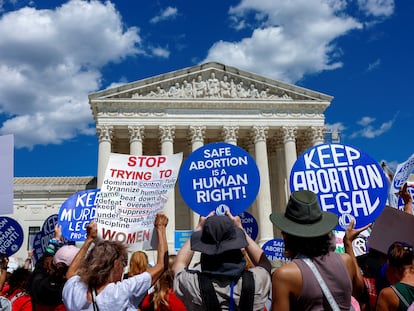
(181, 236)
(391, 226)
(6, 169)
(275, 250)
(134, 189)
(11, 236)
(219, 177)
(41, 239)
(401, 174)
(346, 180)
(249, 224)
(77, 212)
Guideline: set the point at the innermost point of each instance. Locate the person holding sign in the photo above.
(224, 282)
(307, 233)
(95, 275)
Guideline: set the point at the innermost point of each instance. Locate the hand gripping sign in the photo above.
(77, 212)
(217, 177)
(347, 182)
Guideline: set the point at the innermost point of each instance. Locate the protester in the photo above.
(49, 277)
(223, 282)
(95, 275)
(138, 263)
(363, 301)
(49, 274)
(306, 231)
(163, 297)
(400, 295)
(388, 274)
(18, 291)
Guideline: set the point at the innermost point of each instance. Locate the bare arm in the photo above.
(356, 276)
(253, 249)
(3, 270)
(286, 285)
(387, 300)
(160, 224)
(92, 233)
(185, 254)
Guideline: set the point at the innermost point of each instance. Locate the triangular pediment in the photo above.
(210, 81)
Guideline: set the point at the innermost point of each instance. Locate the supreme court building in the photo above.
(180, 111)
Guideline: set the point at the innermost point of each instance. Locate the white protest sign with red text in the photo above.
(134, 189)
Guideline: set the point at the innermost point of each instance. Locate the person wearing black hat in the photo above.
(223, 283)
(307, 233)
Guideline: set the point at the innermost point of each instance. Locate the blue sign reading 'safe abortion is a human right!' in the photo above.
(219, 177)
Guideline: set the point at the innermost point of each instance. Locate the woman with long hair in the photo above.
(163, 297)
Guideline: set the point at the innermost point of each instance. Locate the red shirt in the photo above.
(21, 303)
(175, 304)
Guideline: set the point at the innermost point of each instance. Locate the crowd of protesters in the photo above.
(233, 272)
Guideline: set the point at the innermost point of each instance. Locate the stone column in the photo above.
(136, 135)
(197, 140)
(264, 205)
(104, 150)
(281, 189)
(167, 148)
(317, 135)
(230, 134)
(289, 139)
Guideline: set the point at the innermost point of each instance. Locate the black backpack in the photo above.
(209, 297)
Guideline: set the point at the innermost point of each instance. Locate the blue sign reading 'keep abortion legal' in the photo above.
(217, 177)
(347, 181)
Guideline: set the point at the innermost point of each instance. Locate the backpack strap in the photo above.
(400, 296)
(208, 294)
(248, 290)
(209, 297)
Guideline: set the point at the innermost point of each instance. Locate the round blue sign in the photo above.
(275, 250)
(41, 239)
(347, 182)
(217, 177)
(249, 224)
(77, 212)
(11, 236)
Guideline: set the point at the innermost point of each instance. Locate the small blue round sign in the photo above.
(347, 181)
(219, 176)
(249, 224)
(11, 236)
(41, 239)
(77, 212)
(275, 250)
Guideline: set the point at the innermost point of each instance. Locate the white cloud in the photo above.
(295, 37)
(377, 8)
(50, 61)
(161, 52)
(374, 65)
(167, 14)
(366, 121)
(369, 129)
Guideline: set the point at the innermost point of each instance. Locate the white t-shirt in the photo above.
(123, 295)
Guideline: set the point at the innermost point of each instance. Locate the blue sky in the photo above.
(54, 53)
